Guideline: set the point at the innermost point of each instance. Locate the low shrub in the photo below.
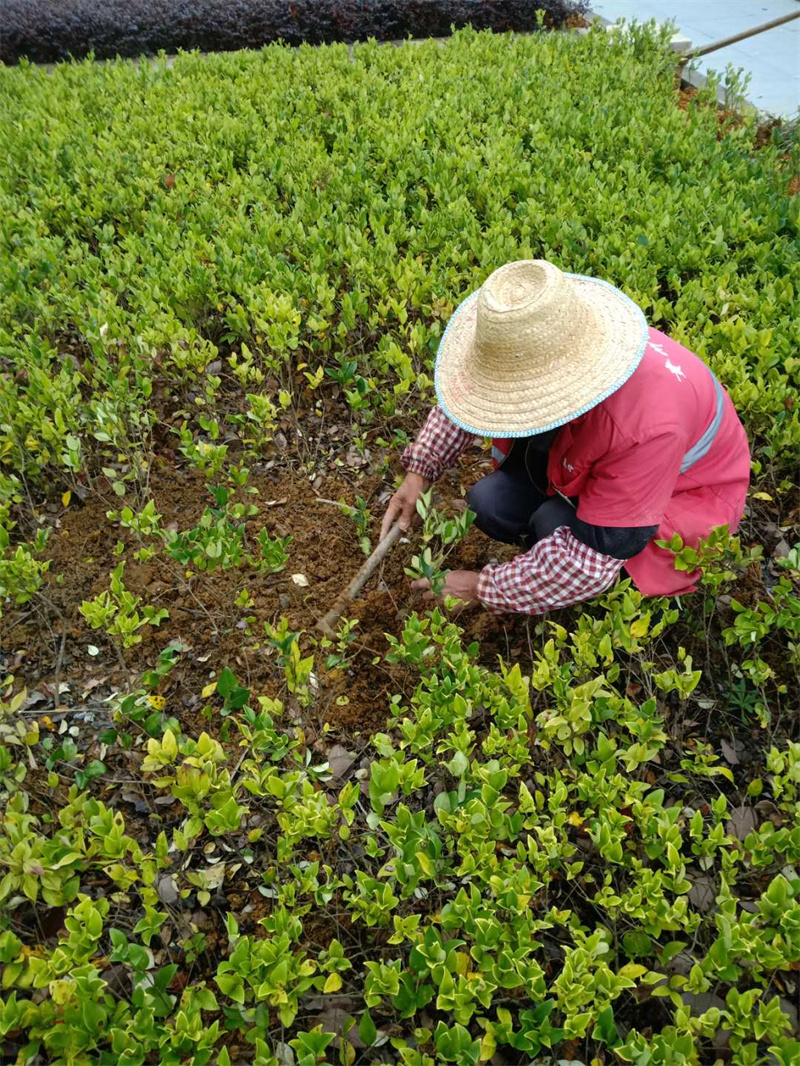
(589, 850)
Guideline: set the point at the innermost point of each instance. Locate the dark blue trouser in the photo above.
(510, 507)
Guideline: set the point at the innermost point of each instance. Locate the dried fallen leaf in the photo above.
(781, 550)
(355, 459)
(340, 760)
(210, 878)
(284, 1054)
(136, 801)
(729, 752)
(743, 820)
(702, 894)
(167, 890)
(301, 580)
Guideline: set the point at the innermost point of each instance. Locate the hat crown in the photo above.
(529, 311)
(534, 348)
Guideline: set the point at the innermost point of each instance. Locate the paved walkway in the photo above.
(772, 58)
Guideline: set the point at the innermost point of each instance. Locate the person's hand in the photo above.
(462, 585)
(403, 504)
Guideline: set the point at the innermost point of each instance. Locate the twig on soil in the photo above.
(388, 590)
(24, 480)
(244, 755)
(59, 663)
(203, 612)
(336, 503)
(62, 645)
(327, 623)
(20, 620)
(372, 652)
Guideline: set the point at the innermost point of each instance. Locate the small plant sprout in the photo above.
(362, 518)
(219, 540)
(117, 611)
(245, 599)
(339, 657)
(207, 456)
(167, 661)
(448, 531)
(298, 670)
(145, 523)
(22, 569)
(442, 532)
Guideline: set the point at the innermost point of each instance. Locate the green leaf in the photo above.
(231, 985)
(605, 1029)
(367, 1029)
(637, 944)
(10, 947)
(226, 683)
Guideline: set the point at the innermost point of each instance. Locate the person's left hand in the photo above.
(460, 584)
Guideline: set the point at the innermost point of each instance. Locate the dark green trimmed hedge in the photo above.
(44, 32)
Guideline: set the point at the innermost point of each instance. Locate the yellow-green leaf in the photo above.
(347, 1053)
(169, 744)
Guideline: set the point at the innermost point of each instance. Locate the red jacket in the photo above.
(624, 460)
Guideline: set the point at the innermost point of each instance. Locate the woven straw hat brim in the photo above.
(524, 400)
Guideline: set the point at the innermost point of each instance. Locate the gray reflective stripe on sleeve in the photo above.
(701, 449)
(497, 454)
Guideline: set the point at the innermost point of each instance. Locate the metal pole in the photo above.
(696, 52)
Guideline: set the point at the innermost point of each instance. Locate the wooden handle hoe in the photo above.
(327, 623)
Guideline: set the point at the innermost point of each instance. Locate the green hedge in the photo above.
(315, 207)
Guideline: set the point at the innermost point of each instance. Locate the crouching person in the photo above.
(607, 437)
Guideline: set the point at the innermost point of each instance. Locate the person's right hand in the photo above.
(403, 505)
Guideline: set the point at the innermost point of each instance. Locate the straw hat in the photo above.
(534, 348)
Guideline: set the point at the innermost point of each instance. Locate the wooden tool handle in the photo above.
(327, 623)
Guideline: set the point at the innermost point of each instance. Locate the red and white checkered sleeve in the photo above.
(558, 571)
(437, 447)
